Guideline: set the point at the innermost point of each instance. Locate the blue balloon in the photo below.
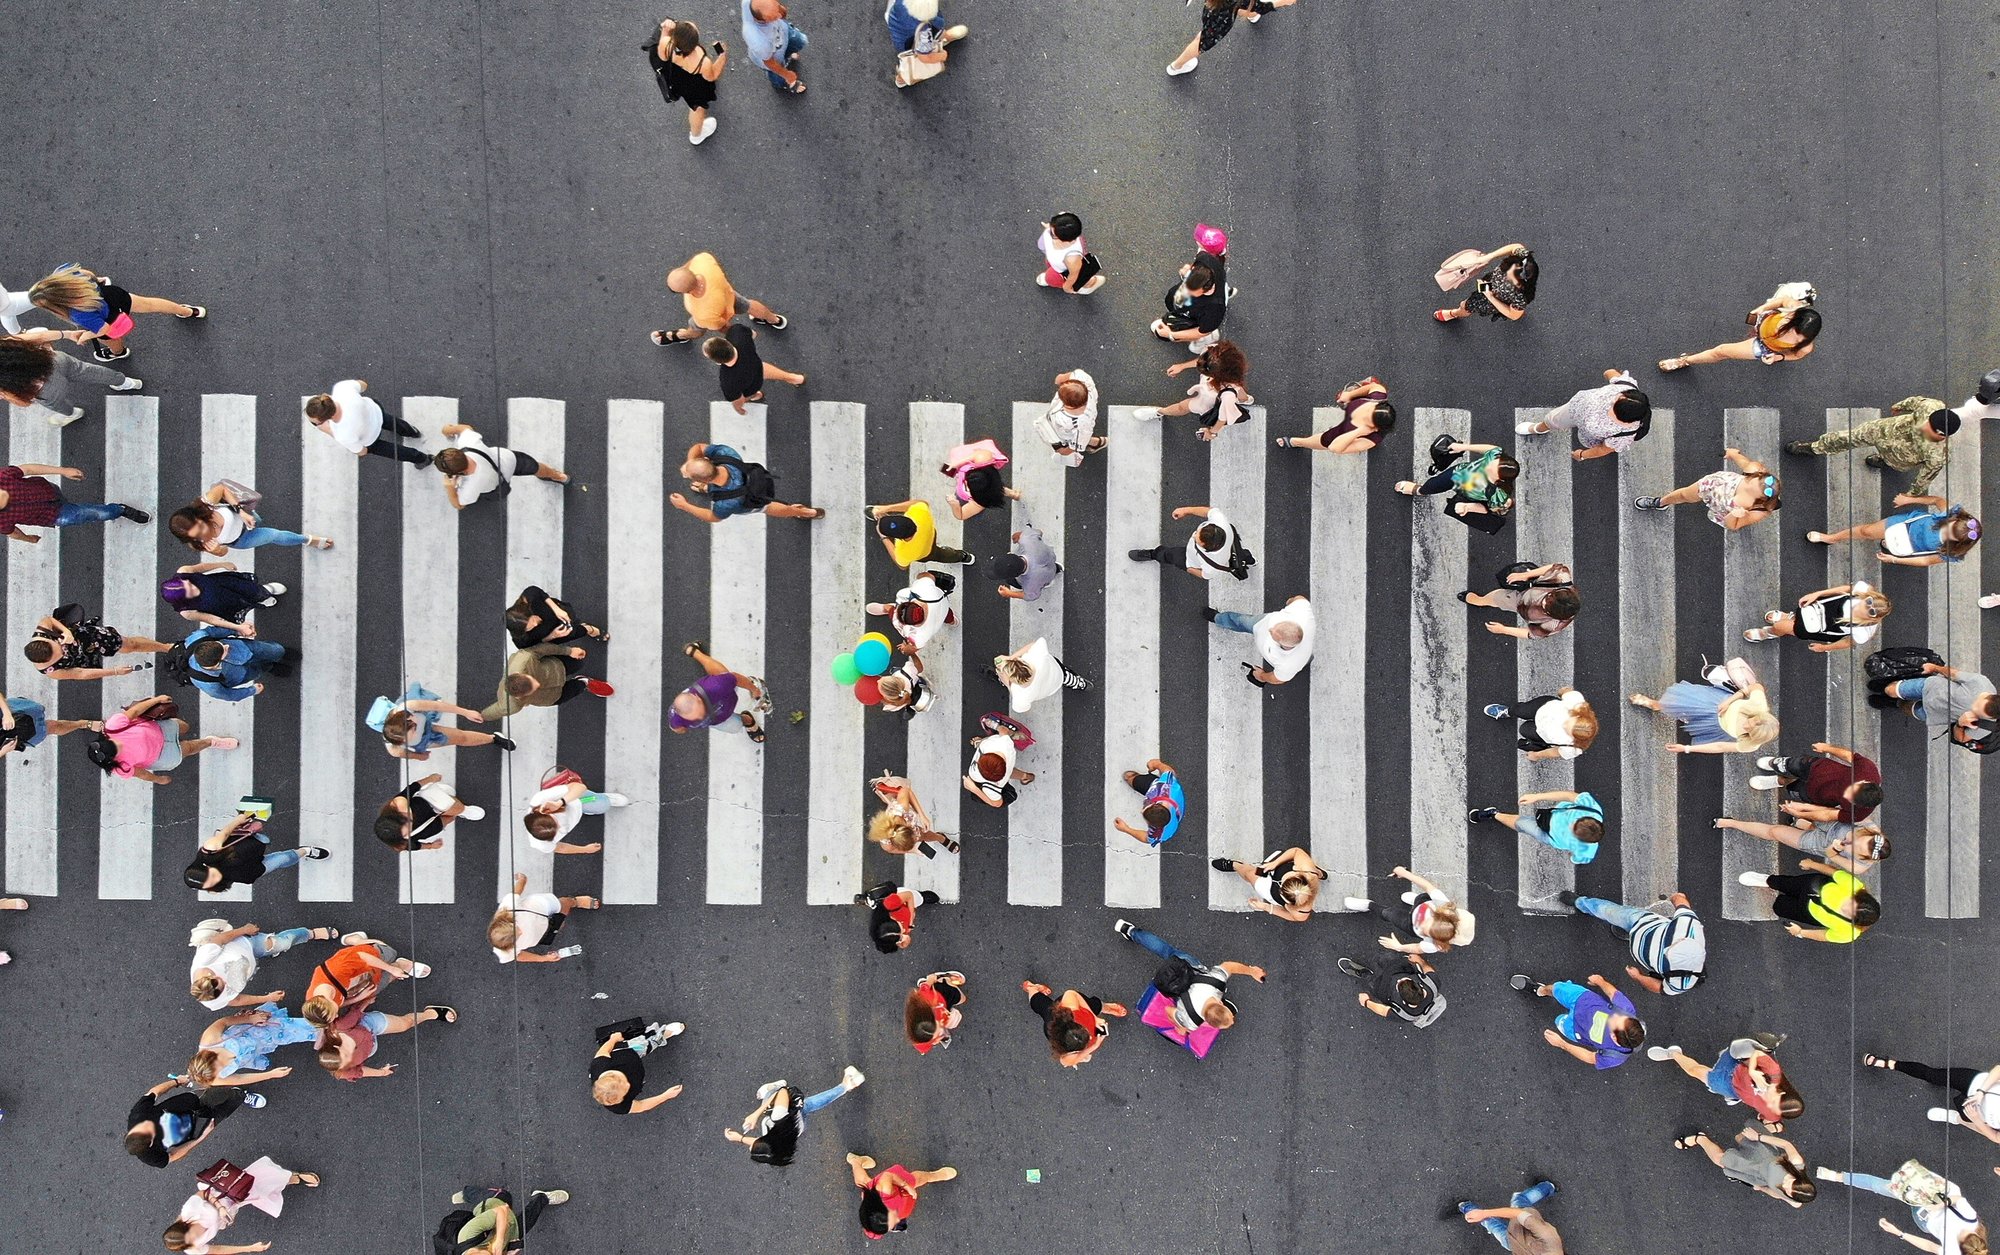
(871, 657)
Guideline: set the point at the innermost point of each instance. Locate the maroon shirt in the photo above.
(1828, 778)
(32, 500)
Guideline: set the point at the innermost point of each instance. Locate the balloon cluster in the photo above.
(861, 667)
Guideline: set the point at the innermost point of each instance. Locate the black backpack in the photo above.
(1989, 388)
(759, 489)
(1900, 662)
(177, 666)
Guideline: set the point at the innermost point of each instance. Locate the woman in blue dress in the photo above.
(1924, 531)
(240, 1046)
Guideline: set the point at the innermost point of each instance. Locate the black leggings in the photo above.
(1795, 892)
(1397, 914)
(1955, 1081)
(1524, 710)
(388, 448)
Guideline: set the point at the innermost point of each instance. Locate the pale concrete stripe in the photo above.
(1749, 588)
(1232, 815)
(1339, 748)
(736, 635)
(1951, 777)
(1035, 820)
(1648, 831)
(635, 600)
(836, 761)
(428, 528)
(330, 727)
(1438, 563)
(1130, 691)
(1544, 531)
(228, 451)
(534, 556)
(1852, 496)
(936, 755)
(32, 591)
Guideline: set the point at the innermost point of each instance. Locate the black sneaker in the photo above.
(315, 852)
(1882, 701)
(1567, 897)
(1222, 864)
(1801, 447)
(502, 742)
(1208, 612)
(134, 513)
(1522, 983)
(1350, 967)
(1648, 503)
(1480, 814)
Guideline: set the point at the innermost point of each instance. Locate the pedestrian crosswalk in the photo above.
(709, 810)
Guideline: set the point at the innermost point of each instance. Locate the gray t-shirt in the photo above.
(1946, 699)
(1041, 560)
(1755, 1164)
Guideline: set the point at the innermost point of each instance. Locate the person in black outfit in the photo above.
(415, 819)
(1196, 304)
(236, 855)
(686, 72)
(892, 914)
(617, 1070)
(537, 616)
(1405, 988)
(164, 1126)
(742, 369)
(216, 593)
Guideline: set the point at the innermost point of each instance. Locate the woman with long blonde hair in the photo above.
(92, 303)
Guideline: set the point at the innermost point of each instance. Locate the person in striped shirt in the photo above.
(1669, 943)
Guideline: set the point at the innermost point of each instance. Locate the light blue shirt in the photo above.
(764, 41)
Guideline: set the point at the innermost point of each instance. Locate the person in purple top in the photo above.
(711, 700)
(1598, 1026)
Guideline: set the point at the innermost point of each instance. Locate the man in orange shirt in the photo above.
(712, 301)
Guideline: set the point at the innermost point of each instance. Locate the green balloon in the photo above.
(844, 670)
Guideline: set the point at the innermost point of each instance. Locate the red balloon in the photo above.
(869, 689)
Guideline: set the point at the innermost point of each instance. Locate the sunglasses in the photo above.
(1770, 485)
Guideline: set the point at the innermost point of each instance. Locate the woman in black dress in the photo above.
(1504, 291)
(71, 645)
(536, 617)
(216, 593)
(1217, 17)
(686, 72)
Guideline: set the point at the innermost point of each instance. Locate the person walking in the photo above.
(1197, 304)
(1068, 263)
(226, 957)
(974, 469)
(218, 594)
(1561, 724)
(1727, 713)
(1504, 292)
(147, 740)
(164, 1126)
(1735, 499)
(352, 977)
(229, 663)
(1599, 1025)
(1851, 847)
(1026, 570)
(1163, 801)
(70, 644)
(1972, 1097)
(903, 826)
(712, 302)
(771, 1131)
(209, 1210)
(618, 1069)
(710, 701)
(993, 773)
(556, 810)
(1215, 546)
(1285, 884)
(908, 530)
(536, 616)
(225, 518)
(10, 904)
(526, 921)
(1283, 638)
(1218, 396)
(1074, 1023)
(1820, 902)
(37, 378)
(686, 74)
(1479, 477)
(1937, 1206)
(1607, 419)
(29, 499)
(934, 1008)
(1366, 418)
(1785, 328)
(773, 42)
(1520, 1226)
(1069, 425)
(410, 728)
(1825, 784)
(1947, 701)
(1763, 1161)
(730, 486)
(1544, 596)
(889, 1197)
(740, 369)
(24, 724)
(920, 610)
(485, 1221)
(1572, 826)
(1033, 672)
(922, 39)
(1197, 989)
(540, 676)
(346, 1046)
(892, 914)
(1924, 531)
(1438, 922)
(241, 1044)
(473, 469)
(235, 854)
(1405, 988)
(348, 414)
(1829, 619)
(1915, 435)
(415, 819)
(1217, 17)
(93, 304)
(1745, 1071)
(1668, 941)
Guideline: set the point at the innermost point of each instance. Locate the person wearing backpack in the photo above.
(1668, 941)
(1944, 699)
(1745, 1071)
(227, 663)
(485, 1222)
(1544, 596)
(1936, 1204)
(473, 469)
(731, 486)
(1195, 988)
(1405, 988)
(1214, 548)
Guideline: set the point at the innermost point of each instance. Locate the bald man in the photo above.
(712, 303)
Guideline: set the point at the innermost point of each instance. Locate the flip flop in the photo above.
(419, 970)
(308, 1179)
(448, 1014)
(694, 647)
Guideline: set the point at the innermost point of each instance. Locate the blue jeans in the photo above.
(1160, 947)
(1235, 621)
(1533, 1196)
(257, 536)
(270, 945)
(1617, 914)
(822, 1099)
(795, 43)
(70, 513)
(278, 860)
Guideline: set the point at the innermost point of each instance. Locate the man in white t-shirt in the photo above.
(554, 813)
(225, 958)
(1284, 638)
(473, 469)
(1215, 548)
(1070, 424)
(355, 422)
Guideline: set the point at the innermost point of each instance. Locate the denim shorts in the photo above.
(1721, 1078)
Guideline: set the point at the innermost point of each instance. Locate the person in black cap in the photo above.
(1029, 569)
(1913, 436)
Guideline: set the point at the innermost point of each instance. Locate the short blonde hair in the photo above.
(206, 987)
(203, 1067)
(892, 832)
(501, 930)
(604, 1088)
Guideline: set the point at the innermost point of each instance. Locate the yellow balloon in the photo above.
(878, 636)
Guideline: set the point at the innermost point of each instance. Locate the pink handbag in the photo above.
(1459, 267)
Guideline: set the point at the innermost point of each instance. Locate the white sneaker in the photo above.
(1186, 69)
(1356, 904)
(1943, 1115)
(1825, 1173)
(474, 813)
(132, 384)
(852, 1077)
(276, 590)
(1766, 783)
(554, 1198)
(1989, 600)
(1660, 1054)
(1756, 880)
(617, 799)
(673, 1030)
(353, 938)
(64, 420)
(254, 1100)
(1147, 413)
(1532, 429)
(1766, 763)
(707, 129)
(1408, 897)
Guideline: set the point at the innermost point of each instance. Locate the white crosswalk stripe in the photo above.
(1653, 791)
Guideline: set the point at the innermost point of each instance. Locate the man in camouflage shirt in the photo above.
(1912, 437)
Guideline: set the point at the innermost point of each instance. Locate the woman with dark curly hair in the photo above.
(33, 374)
(1218, 396)
(1504, 291)
(1073, 1023)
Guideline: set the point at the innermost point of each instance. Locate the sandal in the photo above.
(1445, 315)
(319, 542)
(308, 1179)
(695, 647)
(815, 512)
(1818, 538)
(324, 934)
(584, 902)
(1759, 634)
(448, 1014)
(1283, 442)
(1671, 364)
(751, 730)
(1687, 1141)
(671, 337)
(1877, 1061)
(1025, 777)
(1407, 487)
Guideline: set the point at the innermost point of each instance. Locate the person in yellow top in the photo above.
(909, 532)
(712, 301)
(1820, 903)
